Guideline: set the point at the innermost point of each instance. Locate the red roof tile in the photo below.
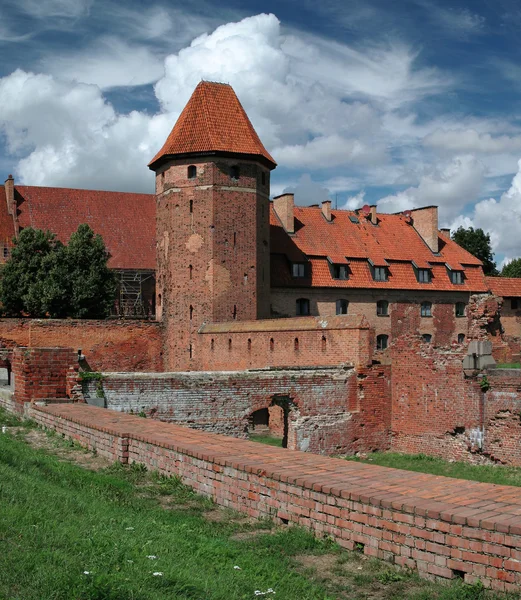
(507, 287)
(6, 221)
(213, 121)
(125, 221)
(393, 241)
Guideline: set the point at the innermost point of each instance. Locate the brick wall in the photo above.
(302, 341)
(330, 410)
(107, 345)
(444, 528)
(40, 373)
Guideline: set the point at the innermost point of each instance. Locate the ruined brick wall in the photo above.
(213, 249)
(299, 342)
(330, 410)
(107, 345)
(40, 373)
(501, 406)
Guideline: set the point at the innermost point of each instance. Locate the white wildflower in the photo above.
(129, 529)
(237, 567)
(157, 574)
(86, 572)
(152, 557)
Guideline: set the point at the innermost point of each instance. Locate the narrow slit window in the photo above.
(229, 343)
(272, 344)
(191, 351)
(234, 312)
(191, 312)
(190, 271)
(324, 343)
(249, 344)
(296, 344)
(234, 239)
(212, 344)
(191, 206)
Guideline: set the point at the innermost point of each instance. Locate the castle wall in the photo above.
(330, 410)
(107, 345)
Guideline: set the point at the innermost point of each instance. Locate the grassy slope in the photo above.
(58, 520)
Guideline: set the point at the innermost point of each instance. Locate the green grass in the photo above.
(508, 366)
(266, 439)
(436, 466)
(59, 520)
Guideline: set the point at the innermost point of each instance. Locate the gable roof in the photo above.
(393, 241)
(212, 121)
(506, 287)
(125, 221)
(7, 231)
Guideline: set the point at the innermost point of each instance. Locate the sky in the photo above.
(401, 104)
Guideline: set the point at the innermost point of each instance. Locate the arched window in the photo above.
(460, 309)
(382, 341)
(427, 338)
(426, 309)
(382, 308)
(296, 343)
(302, 307)
(235, 173)
(461, 338)
(249, 344)
(324, 343)
(341, 307)
(192, 172)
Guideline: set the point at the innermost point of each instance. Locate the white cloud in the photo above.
(460, 22)
(451, 186)
(308, 191)
(49, 9)
(470, 140)
(354, 202)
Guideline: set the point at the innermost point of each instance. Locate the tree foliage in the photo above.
(477, 242)
(45, 278)
(512, 269)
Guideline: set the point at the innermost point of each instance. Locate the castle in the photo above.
(321, 323)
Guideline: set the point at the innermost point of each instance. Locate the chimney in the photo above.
(283, 206)
(9, 195)
(374, 219)
(425, 221)
(445, 233)
(326, 210)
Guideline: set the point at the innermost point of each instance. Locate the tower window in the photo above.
(191, 312)
(302, 307)
(190, 271)
(249, 344)
(190, 351)
(212, 344)
(461, 338)
(341, 307)
(235, 173)
(460, 309)
(427, 338)
(192, 172)
(324, 343)
(229, 343)
(191, 206)
(382, 341)
(426, 309)
(234, 312)
(296, 344)
(382, 308)
(272, 344)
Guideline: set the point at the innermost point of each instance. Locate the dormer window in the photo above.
(340, 272)
(456, 277)
(192, 172)
(235, 173)
(298, 270)
(424, 275)
(380, 273)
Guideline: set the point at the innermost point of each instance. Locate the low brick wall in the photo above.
(442, 527)
(107, 345)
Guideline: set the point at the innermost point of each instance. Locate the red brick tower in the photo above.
(212, 190)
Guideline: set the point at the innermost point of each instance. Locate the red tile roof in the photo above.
(392, 241)
(506, 287)
(213, 121)
(6, 221)
(125, 221)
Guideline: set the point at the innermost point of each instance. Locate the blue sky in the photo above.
(404, 104)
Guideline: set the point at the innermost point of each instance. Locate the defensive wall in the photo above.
(444, 528)
(108, 345)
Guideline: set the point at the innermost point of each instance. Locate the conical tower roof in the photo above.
(213, 121)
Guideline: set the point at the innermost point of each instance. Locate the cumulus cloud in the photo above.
(308, 191)
(451, 186)
(470, 140)
(354, 202)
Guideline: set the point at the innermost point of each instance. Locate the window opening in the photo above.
(192, 172)
(298, 270)
(190, 350)
(341, 307)
(272, 344)
(302, 307)
(190, 270)
(427, 338)
(382, 341)
(235, 173)
(229, 343)
(324, 343)
(380, 274)
(234, 312)
(340, 272)
(426, 309)
(249, 344)
(424, 275)
(212, 344)
(382, 308)
(461, 338)
(460, 309)
(457, 277)
(514, 303)
(296, 343)
(191, 312)
(234, 239)
(191, 206)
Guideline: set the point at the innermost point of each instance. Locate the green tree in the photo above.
(512, 269)
(45, 278)
(92, 283)
(477, 242)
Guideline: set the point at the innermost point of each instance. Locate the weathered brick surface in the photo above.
(434, 524)
(107, 345)
(330, 410)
